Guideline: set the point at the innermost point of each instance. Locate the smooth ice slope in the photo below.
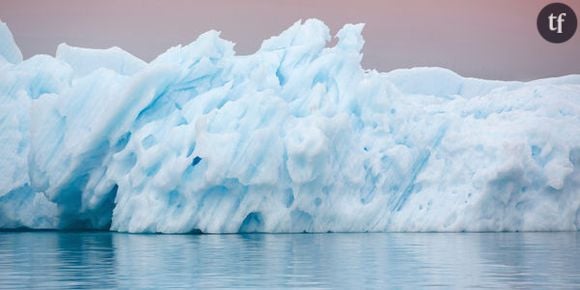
(295, 137)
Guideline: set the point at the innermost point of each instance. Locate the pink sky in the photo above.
(482, 38)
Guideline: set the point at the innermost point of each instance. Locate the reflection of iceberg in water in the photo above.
(448, 260)
(295, 137)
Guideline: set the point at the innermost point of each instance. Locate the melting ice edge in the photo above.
(295, 137)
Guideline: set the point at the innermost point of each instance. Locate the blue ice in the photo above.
(296, 137)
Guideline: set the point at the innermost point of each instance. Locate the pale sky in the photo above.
(494, 39)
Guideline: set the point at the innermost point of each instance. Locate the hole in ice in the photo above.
(281, 78)
(196, 161)
(122, 142)
(195, 232)
(148, 142)
(301, 221)
(174, 199)
(480, 114)
(22, 146)
(575, 157)
(289, 199)
(151, 171)
(521, 205)
(253, 223)
(317, 201)
(536, 150)
(181, 121)
(128, 162)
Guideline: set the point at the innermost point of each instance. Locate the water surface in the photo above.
(354, 261)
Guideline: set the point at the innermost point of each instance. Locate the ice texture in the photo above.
(296, 137)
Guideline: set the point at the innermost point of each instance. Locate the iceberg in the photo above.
(296, 137)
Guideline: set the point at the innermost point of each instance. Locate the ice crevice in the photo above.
(296, 137)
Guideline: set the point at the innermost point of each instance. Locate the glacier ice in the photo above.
(295, 137)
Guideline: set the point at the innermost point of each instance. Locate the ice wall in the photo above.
(295, 137)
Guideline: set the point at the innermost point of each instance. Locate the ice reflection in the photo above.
(108, 260)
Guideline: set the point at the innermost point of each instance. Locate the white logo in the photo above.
(558, 19)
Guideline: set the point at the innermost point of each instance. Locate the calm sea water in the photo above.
(353, 261)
